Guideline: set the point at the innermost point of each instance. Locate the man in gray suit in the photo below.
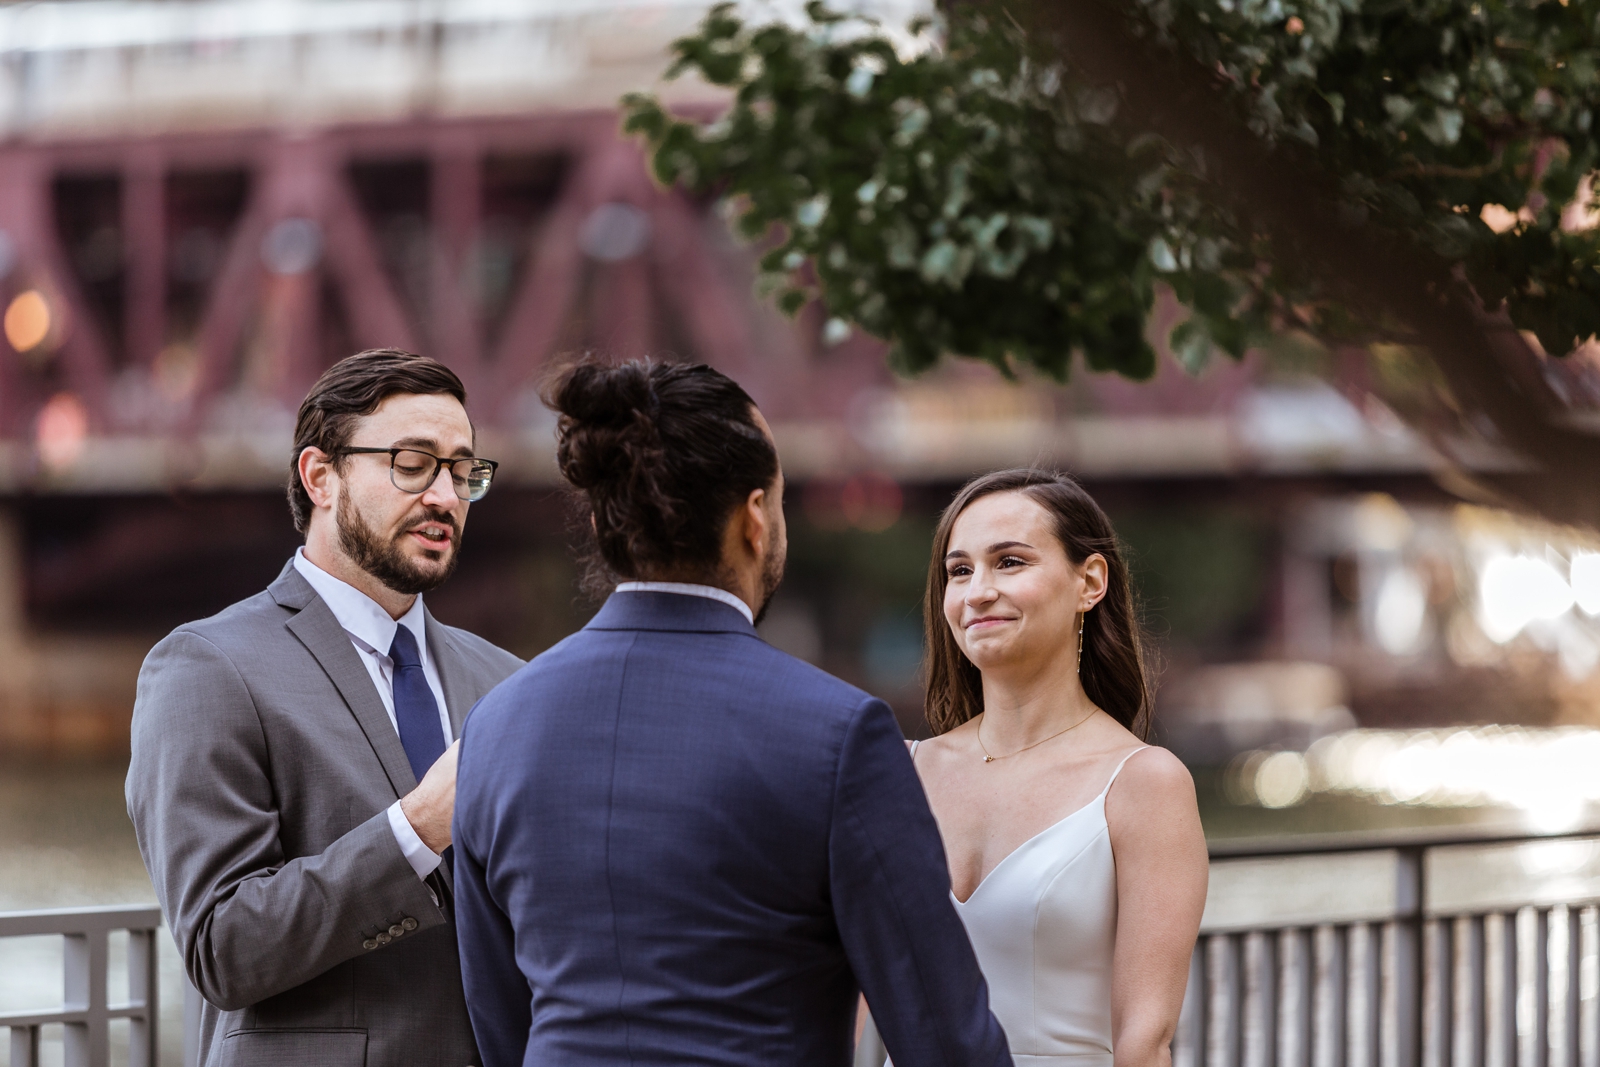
(293, 772)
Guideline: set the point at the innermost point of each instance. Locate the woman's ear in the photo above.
(1096, 576)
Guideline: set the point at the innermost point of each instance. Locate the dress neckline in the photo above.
(1098, 798)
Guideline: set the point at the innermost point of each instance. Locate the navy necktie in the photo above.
(416, 713)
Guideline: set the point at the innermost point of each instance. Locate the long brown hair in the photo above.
(1113, 666)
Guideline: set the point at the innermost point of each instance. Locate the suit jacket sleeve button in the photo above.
(384, 938)
(408, 923)
(396, 930)
(369, 944)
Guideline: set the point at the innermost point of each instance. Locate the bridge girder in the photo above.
(303, 266)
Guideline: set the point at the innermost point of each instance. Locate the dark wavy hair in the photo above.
(1113, 669)
(662, 453)
(350, 390)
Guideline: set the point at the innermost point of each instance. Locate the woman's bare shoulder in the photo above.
(1152, 778)
(939, 750)
(1153, 765)
(1154, 821)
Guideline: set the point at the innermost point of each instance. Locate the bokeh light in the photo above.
(27, 321)
(1400, 612)
(63, 429)
(1585, 578)
(1281, 780)
(1514, 591)
(1547, 772)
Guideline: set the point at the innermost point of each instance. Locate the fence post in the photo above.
(1499, 990)
(85, 1014)
(1261, 1016)
(144, 988)
(192, 1003)
(1402, 968)
(1564, 965)
(1588, 982)
(1329, 946)
(1189, 1045)
(1295, 998)
(1438, 970)
(24, 1046)
(1470, 1041)
(84, 989)
(1224, 1010)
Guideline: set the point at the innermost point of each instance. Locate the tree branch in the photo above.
(1283, 190)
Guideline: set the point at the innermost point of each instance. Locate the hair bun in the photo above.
(664, 452)
(603, 396)
(607, 430)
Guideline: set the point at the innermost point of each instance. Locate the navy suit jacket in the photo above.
(675, 844)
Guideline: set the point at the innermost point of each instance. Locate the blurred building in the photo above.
(203, 203)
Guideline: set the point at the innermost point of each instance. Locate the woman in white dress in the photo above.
(1077, 860)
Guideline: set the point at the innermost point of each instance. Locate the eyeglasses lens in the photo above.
(479, 475)
(413, 472)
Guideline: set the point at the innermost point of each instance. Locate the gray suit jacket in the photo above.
(263, 760)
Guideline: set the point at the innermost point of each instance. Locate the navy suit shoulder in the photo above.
(774, 679)
(676, 844)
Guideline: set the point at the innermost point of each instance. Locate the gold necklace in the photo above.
(1079, 670)
(990, 759)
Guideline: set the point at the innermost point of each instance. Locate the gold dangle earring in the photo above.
(1082, 615)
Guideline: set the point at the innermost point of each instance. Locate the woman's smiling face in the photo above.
(1012, 596)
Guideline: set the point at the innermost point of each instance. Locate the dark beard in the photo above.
(384, 560)
(771, 578)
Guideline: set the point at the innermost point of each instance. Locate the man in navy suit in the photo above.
(674, 843)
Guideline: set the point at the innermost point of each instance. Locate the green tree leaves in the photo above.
(957, 189)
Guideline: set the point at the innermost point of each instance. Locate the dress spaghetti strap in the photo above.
(1121, 765)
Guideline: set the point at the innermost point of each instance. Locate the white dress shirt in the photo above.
(372, 631)
(710, 592)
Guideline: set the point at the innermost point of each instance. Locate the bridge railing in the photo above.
(1413, 950)
(86, 1012)
(1430, 952)
(1447, 954)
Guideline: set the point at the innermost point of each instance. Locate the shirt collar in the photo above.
(367, 623)
(710, 592)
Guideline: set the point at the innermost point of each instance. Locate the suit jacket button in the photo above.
(396, 930)
(384, 938)
(408, 924)
(369, 944)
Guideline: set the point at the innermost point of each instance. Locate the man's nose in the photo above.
(441, 493)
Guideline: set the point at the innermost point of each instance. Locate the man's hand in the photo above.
(429, 807)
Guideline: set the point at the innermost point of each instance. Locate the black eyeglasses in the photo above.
(412, 471)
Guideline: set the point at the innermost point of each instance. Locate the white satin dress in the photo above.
(1044, 924)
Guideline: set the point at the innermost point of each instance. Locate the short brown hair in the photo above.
(1113, 670)
(349, 390)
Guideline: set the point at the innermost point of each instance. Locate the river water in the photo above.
(65, 841)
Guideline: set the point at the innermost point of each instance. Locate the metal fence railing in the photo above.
(85, 1012)
(1321, 952)
(1440, 950)
(1445, 954)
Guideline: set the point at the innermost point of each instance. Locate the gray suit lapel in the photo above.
(458, 693)
(326, 640)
